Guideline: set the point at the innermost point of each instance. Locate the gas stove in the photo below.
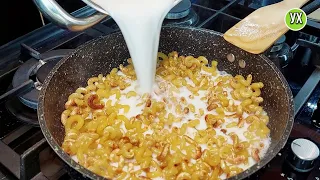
(25, 62)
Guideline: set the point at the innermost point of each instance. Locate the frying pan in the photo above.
(103, 54)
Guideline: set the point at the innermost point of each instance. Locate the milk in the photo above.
(140, 22)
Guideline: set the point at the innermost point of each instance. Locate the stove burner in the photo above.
(181, 10)
(190, 20)
(23, 113)
(29, 70)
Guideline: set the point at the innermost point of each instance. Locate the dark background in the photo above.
(22, 16)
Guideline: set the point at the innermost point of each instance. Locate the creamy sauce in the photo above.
(134, 101)
(140, 22)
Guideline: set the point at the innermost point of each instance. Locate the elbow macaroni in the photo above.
(111, 144)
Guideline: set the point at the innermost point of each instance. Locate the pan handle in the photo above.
(56, 14)
(22, 89)
(311, 7)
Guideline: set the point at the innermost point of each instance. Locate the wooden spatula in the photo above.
(260, 29)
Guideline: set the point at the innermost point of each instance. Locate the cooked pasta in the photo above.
(198, 123)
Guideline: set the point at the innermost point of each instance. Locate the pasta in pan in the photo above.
(199, 123)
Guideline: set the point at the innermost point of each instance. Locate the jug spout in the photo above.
(56, 14)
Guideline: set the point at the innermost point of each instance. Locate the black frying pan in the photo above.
(103, 54)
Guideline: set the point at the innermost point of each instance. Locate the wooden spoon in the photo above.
(260, 29)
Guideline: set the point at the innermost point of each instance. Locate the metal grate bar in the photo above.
(203, 7)
(213, 17)
(29, 160)
(30, 51)
(40, 176)
(15, 134)
(93, 32)
(10, 159)
(103, 28)
(60, 40)
(306, 90)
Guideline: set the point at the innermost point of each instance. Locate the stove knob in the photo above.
(303, 154)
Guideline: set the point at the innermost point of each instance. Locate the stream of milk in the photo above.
(140, 22)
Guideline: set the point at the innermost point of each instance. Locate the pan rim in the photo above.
(87, 173)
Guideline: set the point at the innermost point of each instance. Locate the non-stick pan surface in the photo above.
(103, 54)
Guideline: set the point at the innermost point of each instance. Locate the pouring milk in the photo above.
(140, 22)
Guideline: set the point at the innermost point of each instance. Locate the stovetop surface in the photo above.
(219, 16)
